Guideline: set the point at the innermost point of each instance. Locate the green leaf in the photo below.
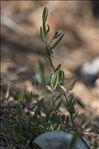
(19, 110)
(61, 75)
(45, 14)
(44, 18)
(62, 88)
(44, 28)
(41, 34)
(54, 80)
(28, 96)
(48, 29)
(20, 97)
(40, 74)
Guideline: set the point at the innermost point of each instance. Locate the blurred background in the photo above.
(78, 52)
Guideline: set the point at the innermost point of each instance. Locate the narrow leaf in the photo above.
(45, 14)
(62, 88)
(48, 29)
(44, 28)
(54, 80)
(41, 34)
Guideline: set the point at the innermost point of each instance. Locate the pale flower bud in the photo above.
(58, 33)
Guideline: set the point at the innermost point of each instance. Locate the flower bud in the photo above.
(58, 33)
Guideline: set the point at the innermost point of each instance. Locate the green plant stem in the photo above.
(71, 103)
(51, 63)
(73, 124)
(58, 96)
(51, 41)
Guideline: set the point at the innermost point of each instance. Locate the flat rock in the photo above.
(59, 140)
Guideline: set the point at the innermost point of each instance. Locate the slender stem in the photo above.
(52, 66)
(49, 57)
(58, 96)
(51, 41)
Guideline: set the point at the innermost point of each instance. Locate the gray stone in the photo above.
(89, 72)
(59, 140)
